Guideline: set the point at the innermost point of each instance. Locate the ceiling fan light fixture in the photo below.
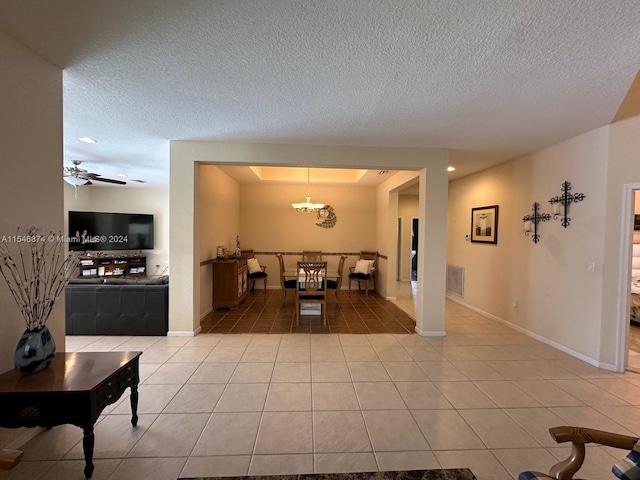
(307, 206)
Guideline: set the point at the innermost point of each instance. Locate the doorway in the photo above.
(414, 248)
(399, 251)
(633, 343)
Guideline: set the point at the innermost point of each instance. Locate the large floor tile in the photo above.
(446, 430)
(506, 394)
(170, 435)
(390, 461)
(334, 396)
(405, 372)
(394, 431)
(345, 462)
(378, 396)
(228, 434)
(465, 395)
(224, 466)
(281, 464)
(340, 431)
(368, 372)
(419, 395)
(497, 430)
(243, 397)
(285, 433)
(330, 372)
(195, 398)
(163, 468)
(548, 394)
(288, 397)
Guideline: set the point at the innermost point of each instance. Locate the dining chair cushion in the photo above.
(332, 284)
(259, 274)
(253, 265)
(290, 284)
(363, 267)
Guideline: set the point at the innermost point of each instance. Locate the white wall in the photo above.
(121, 199)
(31, 180)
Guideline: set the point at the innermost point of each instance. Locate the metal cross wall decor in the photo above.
(560, 203)
(535, 219)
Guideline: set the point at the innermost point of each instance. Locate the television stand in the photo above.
(112, 266)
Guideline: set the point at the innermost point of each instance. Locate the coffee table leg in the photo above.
(88, 442)
(134, 405)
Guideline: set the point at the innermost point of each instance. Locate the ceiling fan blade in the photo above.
(108, 180)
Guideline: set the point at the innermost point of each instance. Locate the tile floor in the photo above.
(262, 312)
(482, 397)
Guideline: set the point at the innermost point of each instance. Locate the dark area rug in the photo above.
(437, 474)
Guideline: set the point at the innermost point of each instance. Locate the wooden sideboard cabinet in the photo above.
(230, 282)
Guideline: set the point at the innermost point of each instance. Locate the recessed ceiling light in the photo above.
(450, 169)
(87, 140)
(121, 175)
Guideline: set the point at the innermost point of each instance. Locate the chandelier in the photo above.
(307, 206)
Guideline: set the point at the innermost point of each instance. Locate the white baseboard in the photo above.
(184, 333)
(428, 333)
(540, 338)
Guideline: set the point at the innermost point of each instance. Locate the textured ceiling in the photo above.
(490, 79)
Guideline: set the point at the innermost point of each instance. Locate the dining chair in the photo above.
(364, 270)
(310, 287)
(311, 256)
(335, 285)
(255, 270)
(286, 285)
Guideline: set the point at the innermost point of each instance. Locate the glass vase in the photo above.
(34, 351)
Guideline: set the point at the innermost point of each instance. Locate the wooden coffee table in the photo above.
(74, 389)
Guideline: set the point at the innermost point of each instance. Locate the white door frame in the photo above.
(624, 274)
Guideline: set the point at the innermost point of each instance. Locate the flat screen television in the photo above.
(110, 231)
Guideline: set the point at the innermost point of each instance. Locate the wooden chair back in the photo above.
(286, 285)
(310, 287)
(335, 285)
(311, 256)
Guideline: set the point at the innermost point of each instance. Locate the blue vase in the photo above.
(35, 351)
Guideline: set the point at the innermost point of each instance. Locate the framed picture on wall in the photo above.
(484, 224)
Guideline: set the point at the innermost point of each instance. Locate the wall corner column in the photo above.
(184, 242)
(433, 201)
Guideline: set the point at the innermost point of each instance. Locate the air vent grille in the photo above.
(455, 280)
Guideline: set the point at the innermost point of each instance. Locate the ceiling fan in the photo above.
(77, 176)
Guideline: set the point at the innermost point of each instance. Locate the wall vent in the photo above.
(455, 280)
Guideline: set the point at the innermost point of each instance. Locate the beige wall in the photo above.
(31, 180)
(557, 299)
(154, 201)
(263, 217)
(219, 223)
(408, 209)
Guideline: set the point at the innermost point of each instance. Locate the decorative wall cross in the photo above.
(531, 222)
(560, 203)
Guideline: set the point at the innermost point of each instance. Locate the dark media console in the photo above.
(112, 266)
